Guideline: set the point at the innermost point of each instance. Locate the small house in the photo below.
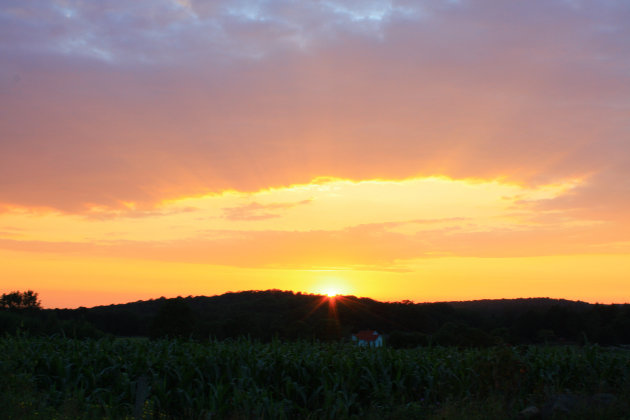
(368, 338)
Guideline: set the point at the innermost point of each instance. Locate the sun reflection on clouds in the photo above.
(405, 206)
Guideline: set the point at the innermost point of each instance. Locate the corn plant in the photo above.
(139, 378)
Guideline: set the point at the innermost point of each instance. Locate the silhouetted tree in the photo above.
(20, 300)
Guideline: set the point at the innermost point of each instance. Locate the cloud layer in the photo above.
(107, 103)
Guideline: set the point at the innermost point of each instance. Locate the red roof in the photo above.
(366, 335)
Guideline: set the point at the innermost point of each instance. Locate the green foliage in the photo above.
(44, 323)
(406, 340)
(115, 378)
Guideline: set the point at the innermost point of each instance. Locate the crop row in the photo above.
(118, 378)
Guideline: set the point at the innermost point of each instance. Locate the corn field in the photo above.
(139, 378)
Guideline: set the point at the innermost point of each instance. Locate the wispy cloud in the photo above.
(378, 246)
(130, 212)
(258, 211)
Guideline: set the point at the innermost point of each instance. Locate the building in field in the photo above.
(368, 338)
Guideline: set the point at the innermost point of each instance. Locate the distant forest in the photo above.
(265, 315)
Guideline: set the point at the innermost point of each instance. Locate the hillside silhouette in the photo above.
(264, 315)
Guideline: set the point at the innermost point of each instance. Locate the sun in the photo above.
(331, 286)
(331, 293)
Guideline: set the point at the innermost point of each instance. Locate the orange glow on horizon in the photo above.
(421, 239)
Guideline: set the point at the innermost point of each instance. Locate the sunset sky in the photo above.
(421, 150)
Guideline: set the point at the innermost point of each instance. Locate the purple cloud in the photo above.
(110, 102)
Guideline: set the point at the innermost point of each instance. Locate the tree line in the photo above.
(17, 301)
(264, 315)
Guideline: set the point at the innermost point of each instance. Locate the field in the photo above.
(61, 378)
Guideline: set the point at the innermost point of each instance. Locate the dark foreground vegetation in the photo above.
(64, 378)
(276, 355)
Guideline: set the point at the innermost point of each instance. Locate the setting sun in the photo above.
(330, 284)
(331, 293)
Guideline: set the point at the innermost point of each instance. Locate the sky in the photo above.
(399, 150)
